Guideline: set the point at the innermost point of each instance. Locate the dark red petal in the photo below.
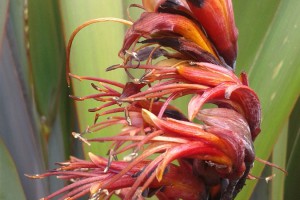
(250, 103)
(240, 94)
(230, 120)
(216, 17)
(200, 150)
(159, 23)
(192, 131)
(189, 49)
(131, 89)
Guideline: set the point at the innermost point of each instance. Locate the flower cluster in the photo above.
(206, 154)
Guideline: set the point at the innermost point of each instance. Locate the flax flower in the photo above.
(204, 154)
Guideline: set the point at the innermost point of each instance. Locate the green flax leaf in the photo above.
(46, 54)
(3, 17)
(293, 154)
(279, 157)
(94, 49)
(271, 58)
(17, 121)
(47, 58)
(10, 184)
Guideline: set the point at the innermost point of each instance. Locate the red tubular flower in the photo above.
(207, 154)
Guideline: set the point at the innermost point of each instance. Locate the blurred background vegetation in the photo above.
(37, 116)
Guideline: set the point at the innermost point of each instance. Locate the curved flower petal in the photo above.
(189, 49)
(199, 150)
(162, 23)
(189, 130)
(228, 119)
(178, 127)
(207, 74)
(216, 16)
(240, 94)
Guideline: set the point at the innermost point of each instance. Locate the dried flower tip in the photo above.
(78, 135)
(269, 178)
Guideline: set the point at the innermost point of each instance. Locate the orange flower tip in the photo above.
(159, 174)
(161, 170)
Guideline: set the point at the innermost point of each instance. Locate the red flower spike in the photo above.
(214, 157)
(216, 17)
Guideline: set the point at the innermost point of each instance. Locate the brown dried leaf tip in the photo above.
(207, 154)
